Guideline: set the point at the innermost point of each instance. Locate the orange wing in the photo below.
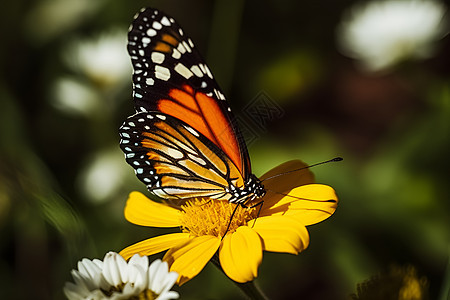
(202, 113)
(174, 160)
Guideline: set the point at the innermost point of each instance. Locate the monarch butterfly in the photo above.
(183, 142)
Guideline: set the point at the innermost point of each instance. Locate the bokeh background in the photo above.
(350, 79)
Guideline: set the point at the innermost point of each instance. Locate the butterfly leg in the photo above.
(231, 218)
(260, 204)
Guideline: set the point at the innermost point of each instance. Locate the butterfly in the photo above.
(183, 141)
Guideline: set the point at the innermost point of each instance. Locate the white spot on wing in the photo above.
(191, 130)
(157, 57)
(156, 25)
(208, 72)
(165, 21)
(188, 49)
(175, 153)
(185, 147)
(176, 54)
(183, 71)
(196, 70)
(197, 159)
(181, 48)
(162, 73)
(160, 193)
(149, 81)
(151, 32)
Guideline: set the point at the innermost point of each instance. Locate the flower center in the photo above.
(213, 217)
(146, 294)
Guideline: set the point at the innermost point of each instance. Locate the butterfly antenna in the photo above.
(298, 198)
(336, 159)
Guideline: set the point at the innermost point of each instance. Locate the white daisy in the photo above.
(102, 175)
(103, 59)
(114, 278)
(72, 96)
(383, 33)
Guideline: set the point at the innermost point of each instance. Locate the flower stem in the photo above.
(250, 289)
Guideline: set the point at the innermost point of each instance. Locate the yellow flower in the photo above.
(399, 282)
(291, 203)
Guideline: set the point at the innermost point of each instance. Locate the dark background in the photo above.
(64, 181)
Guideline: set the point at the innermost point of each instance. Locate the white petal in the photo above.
(168, 295)
(115, 269)
(141, 261)
(169, 281)
(74, 292)
(154, 276)
(80, 280)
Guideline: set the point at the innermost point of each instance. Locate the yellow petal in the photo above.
(309, 204)
(240, 254)
(277, 186)
(189, 258)
(288, 181)
(154, 245)
(281, 234)
(140, 210)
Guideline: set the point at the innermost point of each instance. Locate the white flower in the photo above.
(102, 176)
(103, 59)
(383, 33)
(114, 278)
(73, 97)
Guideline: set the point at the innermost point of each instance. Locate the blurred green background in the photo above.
(65, 88)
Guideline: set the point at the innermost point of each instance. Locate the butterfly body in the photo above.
(183, 142)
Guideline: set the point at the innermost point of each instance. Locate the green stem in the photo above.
(250, 289)
(445, 290)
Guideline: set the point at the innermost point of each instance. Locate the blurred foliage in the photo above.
(63, 181)
(396, 284)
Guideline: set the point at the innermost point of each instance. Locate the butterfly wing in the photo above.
(171, 77)
(174, 160)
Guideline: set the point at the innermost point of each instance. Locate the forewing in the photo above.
(171, 77)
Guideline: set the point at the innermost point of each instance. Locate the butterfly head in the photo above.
(256, 186)
(252, 189)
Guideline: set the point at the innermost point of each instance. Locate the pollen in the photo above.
(212, 217)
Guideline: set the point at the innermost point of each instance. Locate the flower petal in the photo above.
(277, 187)
(189, 258)
(168, 295)
(154, 245)
(281, 234)
(115, 269)
(240, 254)
(161, 280)
(137, 271)
(288, 181)
(140, 210)
(310, 204)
